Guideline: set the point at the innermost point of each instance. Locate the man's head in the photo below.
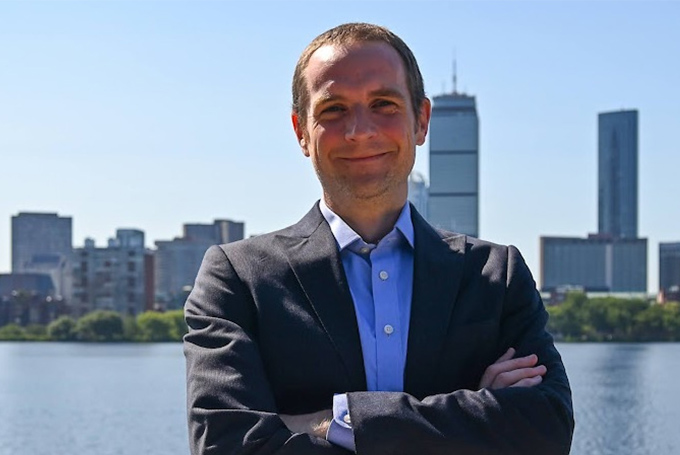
(356, 119)
(352, 33)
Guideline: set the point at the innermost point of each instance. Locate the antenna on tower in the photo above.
(455, 73)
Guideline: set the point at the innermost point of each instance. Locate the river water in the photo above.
(129, 399)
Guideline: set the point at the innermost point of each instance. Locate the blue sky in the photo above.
(150, 114)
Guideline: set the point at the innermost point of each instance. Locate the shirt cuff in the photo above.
(340, 430)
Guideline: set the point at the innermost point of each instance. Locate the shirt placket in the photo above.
(387, 322)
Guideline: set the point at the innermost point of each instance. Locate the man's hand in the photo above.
(316, 423)
(509, 372)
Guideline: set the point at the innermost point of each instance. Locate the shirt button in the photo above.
(364, 250)
(383, 275)
(388, 329)
(346, 419)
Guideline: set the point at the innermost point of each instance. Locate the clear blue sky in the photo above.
(151, 114)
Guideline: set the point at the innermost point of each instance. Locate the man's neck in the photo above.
(371, 220)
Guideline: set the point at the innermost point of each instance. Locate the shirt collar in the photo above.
(345, 235)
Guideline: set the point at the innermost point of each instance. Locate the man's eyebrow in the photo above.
(388, 93)
(327, 98)
(380, 92)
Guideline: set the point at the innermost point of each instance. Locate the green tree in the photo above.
(568, 319)
(100, 326)
(179, 325)
(12, 332)
(130, 328)
(154, 326)
(62, 329)
(671, 322)
(35, 332)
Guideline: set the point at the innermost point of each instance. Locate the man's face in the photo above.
(361, 130)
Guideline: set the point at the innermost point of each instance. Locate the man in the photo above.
(361, 328)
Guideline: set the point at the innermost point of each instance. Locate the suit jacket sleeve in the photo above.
(535, 420)
(231, 407)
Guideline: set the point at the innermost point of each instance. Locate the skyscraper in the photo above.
(42, 243)
(614, 259)
(454, 164)
(618, 174)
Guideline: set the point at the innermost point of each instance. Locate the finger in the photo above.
(508, 378)
(509, 365)
(490, 373)
(528, 382)
(509, 354)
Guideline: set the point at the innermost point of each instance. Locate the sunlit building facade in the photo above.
(454, 164)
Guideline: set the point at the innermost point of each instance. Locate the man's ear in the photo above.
(423, 121)
(299, 132)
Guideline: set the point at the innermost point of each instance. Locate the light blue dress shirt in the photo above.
(380, 279)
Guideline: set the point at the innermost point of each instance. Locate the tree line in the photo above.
(579, 318)
(99, 326)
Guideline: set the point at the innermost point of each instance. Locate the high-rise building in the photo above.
(42, 243)
(618, 174)
(177, 261)
(454, 164)
(111, 278)
(614, 259)
(669, 266)
(596, 263)
(418, 193)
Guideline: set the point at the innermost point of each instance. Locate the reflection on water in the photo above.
(130, 399)
(624, 402)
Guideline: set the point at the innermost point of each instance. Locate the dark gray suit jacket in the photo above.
(272, 329)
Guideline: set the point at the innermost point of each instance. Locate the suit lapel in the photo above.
(438, 269)
(313, 255)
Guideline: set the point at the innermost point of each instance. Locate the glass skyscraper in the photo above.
(454, 164)
(618, 174)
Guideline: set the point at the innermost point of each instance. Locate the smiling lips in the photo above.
(364, 159)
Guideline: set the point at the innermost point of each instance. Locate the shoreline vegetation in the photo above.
(103, 326)
(577, 319)
(610, 319)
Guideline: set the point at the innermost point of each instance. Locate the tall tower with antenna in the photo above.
(453, 202)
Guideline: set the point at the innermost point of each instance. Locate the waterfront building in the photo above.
(177, 261)
(42, 243)
(29, 298)
(618, 174)
(454, 164)
(669, 266)
(113, 277)
(595, 264)
(614, 259)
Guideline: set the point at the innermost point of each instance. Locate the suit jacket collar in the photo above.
(314, 258)
(438, 267)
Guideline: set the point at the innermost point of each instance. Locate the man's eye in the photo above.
(383, 104)
(332, 109)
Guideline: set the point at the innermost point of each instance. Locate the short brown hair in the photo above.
(356, 32)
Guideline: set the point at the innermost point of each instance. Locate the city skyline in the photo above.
(150, 115)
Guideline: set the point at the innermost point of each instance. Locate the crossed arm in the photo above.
(232, 407)
(507, 371)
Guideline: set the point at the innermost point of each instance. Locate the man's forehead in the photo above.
(356, 62)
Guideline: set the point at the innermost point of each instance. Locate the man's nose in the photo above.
(360, 124)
